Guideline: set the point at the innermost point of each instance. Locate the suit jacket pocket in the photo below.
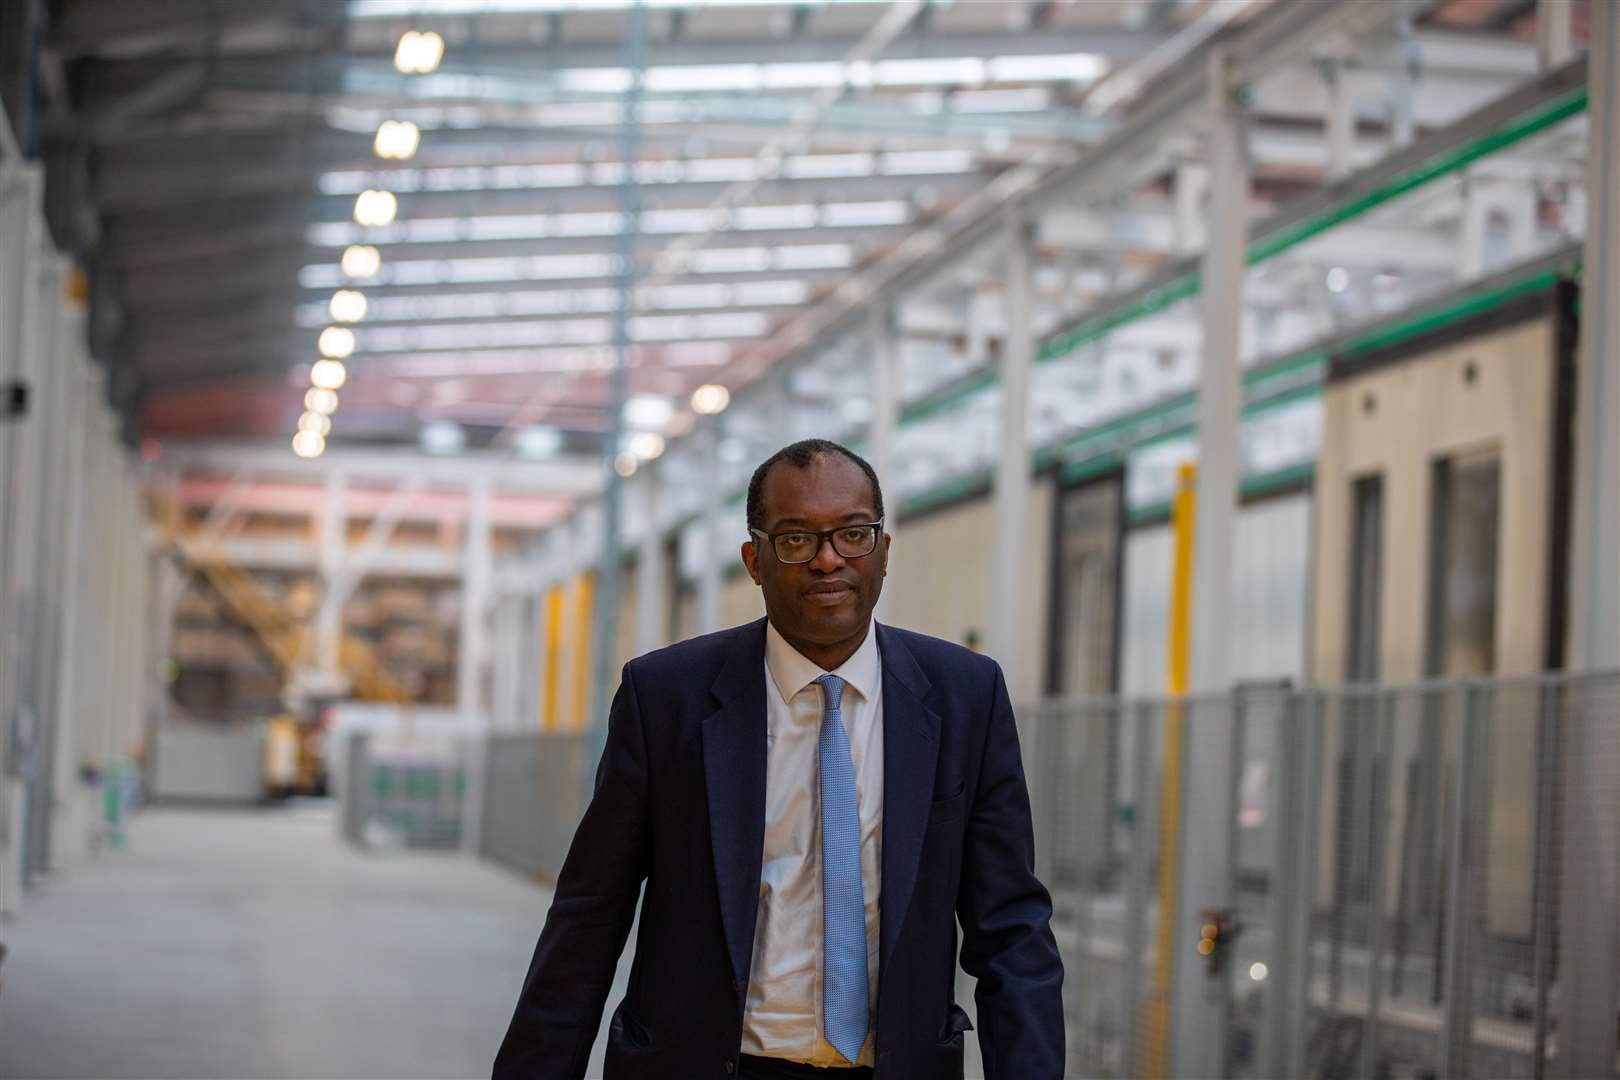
(956, 1022)
(625, 1031)
(944, 811)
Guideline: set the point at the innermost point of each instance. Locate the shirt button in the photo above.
(731, 1066)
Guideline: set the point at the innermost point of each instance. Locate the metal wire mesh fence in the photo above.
(1390, 899)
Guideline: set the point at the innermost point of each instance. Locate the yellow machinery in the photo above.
(287, 638)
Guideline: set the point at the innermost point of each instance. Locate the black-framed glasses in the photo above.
(797, 546)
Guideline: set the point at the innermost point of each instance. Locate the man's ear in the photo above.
(750, 558)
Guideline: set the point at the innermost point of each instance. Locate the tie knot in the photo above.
(832, 691)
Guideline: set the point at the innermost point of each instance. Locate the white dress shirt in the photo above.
(782, 1018)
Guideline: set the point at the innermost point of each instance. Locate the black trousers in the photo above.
(760, 1068)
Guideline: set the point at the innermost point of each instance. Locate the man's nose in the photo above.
(827, 558)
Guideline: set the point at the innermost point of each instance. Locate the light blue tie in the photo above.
(843, 907)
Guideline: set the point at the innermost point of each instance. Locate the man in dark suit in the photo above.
(813, 801)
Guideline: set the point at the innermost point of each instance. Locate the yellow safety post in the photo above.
(582, 648)
(1156, 1060)
(551, 663)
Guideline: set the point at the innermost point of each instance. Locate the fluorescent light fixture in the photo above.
(361, 261)
(710, 399)
(625, 464)
(348, 305)
(783, 216)
(397, 140)
(307, 444)
(443, 437)
(646, 445)
(321, 401)
(373, 207)
(949, 71)
(1055, 67)
(791, 216)
(542, 177)
(318, 423)
(865, 215)
(436, 337)
(538, 441)
(328, 374)
(418, 52)
(925, 162)
(337, 342)
(648, 411)
(394, 9)
(697, 77)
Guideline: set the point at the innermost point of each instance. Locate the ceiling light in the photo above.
(443, 437)
(538, 441)
(647, 412)
(348, 305)
(307, 444)
(418, 52)
(625, 465)
(646, 445)
(710, 399)
(315, 422)
(361, 261)
(374, 208)
(321, 401)
(397, 140)
(1338, 279)
(328, 374)
(337, 342)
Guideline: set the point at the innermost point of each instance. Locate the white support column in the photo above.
(711, 566)
(1011, 494)
(650, 590)
(334, 546)
(1200, 1009)
(1471, 231)
(475, 578)
(21, 242)
(1555, 33)
(504, 658)
(1589, 935)
(885, 354)
(67, 818)
(1192, 188)
(882, 345)
(1405, 58)
(1341, 120)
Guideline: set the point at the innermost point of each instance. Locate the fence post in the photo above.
(1378, 779)
(1288, 977)
(1464, 907)
(1136, 892)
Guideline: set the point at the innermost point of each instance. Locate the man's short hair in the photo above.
(800, 455)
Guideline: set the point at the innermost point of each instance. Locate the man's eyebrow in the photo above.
(799, 523)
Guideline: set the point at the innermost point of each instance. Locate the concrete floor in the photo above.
(257, 944)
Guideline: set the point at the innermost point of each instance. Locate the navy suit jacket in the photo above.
(680, 806)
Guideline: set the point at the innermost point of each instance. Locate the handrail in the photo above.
(1337, 692)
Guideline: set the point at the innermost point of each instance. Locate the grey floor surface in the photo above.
(257, 944)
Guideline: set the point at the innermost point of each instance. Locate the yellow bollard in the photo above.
(552, 661)
(1156, 1059)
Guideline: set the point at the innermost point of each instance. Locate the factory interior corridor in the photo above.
(256, 943)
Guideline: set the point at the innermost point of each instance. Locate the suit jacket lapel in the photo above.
(910, 750)
(734, 772)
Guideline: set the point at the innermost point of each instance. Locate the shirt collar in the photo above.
(791, 672)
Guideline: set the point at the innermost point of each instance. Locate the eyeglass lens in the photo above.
(849, 543)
